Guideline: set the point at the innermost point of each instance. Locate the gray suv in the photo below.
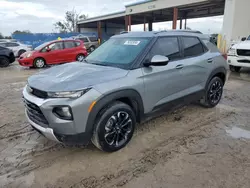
(91, 43)
(131, 77)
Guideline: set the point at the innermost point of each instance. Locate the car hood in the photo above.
(74, 76)
(242, 45)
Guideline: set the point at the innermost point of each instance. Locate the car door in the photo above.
(70, 51)
(162, 83)
(53, 53)
(193, 66)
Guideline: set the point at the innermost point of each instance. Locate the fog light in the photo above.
(63, 112)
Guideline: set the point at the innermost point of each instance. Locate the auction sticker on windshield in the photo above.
(131, 42)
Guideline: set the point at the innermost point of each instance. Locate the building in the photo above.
(236, 22)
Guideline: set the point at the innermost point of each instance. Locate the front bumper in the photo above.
(27, 62)
(51, 126)
(47, 132)
(238, 61)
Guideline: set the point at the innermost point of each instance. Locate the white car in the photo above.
(238, 55)
(17, 47)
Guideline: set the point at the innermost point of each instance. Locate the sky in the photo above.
(38, 16)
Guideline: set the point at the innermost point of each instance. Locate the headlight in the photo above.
(231, 52)
(68, 94)
(29, 55)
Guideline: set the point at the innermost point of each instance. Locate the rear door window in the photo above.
(84, 39)
(69, 44)
(192, 46)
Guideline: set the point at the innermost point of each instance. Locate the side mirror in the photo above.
(243, 38)
(157, 60)
(48, 49)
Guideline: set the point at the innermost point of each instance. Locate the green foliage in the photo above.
(70, 22)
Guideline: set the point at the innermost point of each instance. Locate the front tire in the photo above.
(4, 62)
(213, 93)
(39, 63)
(114, 128)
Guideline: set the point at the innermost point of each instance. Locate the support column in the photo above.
(129, 23)
(185, 24)
(236, 23)
(144, 24)
(150, 25)
(126, 23)
(181, 23)
(175, 17)
(99, 29)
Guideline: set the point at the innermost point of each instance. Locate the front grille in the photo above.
(39, 93)
(35, 114)
(243, 52)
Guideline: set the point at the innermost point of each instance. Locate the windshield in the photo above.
(118, 52)
(41, 46)
(248, 37)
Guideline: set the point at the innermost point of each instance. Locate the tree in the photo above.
(70, 22)
(1, 36)
(21, 32)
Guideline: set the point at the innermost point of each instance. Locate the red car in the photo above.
(55, 52)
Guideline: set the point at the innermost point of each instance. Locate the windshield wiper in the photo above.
(100, 64)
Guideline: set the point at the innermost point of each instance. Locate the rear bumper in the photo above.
(27, 62)
(238, 61)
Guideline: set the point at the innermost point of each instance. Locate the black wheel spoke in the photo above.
(117, 128)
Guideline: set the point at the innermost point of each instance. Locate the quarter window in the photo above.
(84, 39)
(167, 46)
(192, 46)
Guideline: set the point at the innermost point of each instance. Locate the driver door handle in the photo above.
(179, 66)
(210, 60)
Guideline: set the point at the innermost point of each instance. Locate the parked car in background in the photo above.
(238, 55)
(91, 43)
(17, 47)
(55, 52)
(126, 80)
(6, 56)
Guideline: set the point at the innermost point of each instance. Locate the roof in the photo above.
(161, 33)
(104, 17)
(138, 3)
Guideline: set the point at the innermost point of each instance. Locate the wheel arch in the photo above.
(39, 58)
(128, 96)
(220, 72)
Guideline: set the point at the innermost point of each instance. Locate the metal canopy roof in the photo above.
(197, 10)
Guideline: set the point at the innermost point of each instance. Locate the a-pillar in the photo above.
(99, 30)
(175, 17)
(236, 23)
(150, 25)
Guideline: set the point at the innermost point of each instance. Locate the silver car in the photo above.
(131, 77)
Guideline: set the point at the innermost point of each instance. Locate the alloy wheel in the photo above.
(118, 128)
(40, 63)
(80, 58)
(215, 92)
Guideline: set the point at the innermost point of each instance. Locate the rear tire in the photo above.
(39, 63)
(114, 128)
(4, 62)
(21, 52)
(234, 68)
(91, 49)
(213, 93)
(80, 57)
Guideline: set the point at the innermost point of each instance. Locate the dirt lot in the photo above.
(193, 147)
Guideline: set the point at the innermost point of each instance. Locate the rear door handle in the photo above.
(179, 66)
(210, 60)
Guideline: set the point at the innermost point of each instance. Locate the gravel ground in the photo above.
(192, 147)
